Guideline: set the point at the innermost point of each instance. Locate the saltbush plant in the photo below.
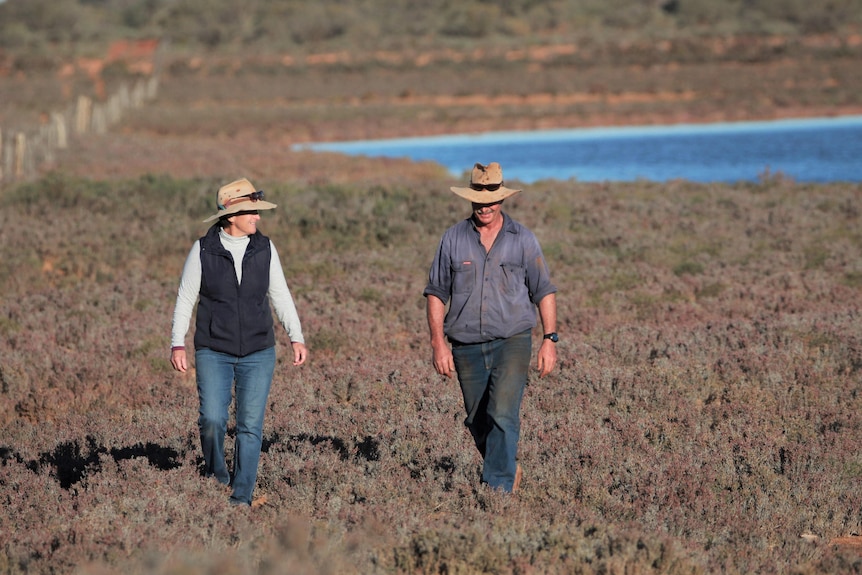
(386, 24)
(705, 416)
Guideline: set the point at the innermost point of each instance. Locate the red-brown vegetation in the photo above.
(707, 410)
(705, 416)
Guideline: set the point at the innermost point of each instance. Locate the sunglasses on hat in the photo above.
(252, 197)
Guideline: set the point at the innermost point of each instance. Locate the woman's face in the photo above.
(243, 224)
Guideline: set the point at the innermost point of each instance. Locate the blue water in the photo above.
(807, 150)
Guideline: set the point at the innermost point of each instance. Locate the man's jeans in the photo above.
(216, 374)
(493, 376)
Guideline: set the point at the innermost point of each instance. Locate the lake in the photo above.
(806, 150)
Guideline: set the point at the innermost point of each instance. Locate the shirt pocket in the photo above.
(463, 277)
(514, 278)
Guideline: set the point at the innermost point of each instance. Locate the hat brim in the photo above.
(242, 207)
(484, 196)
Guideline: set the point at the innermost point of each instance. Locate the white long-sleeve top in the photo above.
(190, 287)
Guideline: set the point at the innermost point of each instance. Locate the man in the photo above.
(491, 271)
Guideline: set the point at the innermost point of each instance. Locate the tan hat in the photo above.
(486, 185)
(239, 196)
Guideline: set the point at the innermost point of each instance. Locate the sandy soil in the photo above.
(124, 153)
(380, 107)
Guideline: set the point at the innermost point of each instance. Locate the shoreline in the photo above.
(360, 129)
(590, 131)
(130, 154)
(705, 153)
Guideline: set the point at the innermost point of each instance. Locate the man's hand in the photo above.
(547, 358)
(441, 354)
(300, 352)
(442, 358)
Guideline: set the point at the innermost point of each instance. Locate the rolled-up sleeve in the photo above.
(440, 274)
(538, 275)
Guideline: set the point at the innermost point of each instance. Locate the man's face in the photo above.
(484, 214)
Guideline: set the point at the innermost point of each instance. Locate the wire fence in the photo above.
(23, 152)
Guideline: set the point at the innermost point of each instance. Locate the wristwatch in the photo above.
(552, 336)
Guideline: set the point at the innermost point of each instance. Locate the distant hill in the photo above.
(39, 27)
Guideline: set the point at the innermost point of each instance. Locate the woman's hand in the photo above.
(300, 352)
(179, 360)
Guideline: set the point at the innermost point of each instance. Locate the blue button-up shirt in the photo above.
(491, 295)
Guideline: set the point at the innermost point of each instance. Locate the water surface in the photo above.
(806, 150)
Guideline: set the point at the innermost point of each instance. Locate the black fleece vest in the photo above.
(234, 318)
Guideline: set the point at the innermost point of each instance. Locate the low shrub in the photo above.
(704, 417)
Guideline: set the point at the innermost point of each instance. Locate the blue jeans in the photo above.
(493, 376)
(216, 374)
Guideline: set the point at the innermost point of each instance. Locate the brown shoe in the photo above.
(259, 502)
(518, 475)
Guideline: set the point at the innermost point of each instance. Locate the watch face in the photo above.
(553, 337)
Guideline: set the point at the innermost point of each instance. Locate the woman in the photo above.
(235, 271)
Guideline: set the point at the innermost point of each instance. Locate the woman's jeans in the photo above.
(216, 374)
(493, 376)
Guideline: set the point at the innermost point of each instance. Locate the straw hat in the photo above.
(239, 196)
(486, 185)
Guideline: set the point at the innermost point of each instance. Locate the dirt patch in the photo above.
(202, 126)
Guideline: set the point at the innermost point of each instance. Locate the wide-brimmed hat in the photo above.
(486, 185)
(239, 196)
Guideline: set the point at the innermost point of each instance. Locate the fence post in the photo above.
(20, 150)
(138, 94)
(8, 158)
(82, 120)
(22, 153)
(152, 87)
(124, 99)
(60, 129)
